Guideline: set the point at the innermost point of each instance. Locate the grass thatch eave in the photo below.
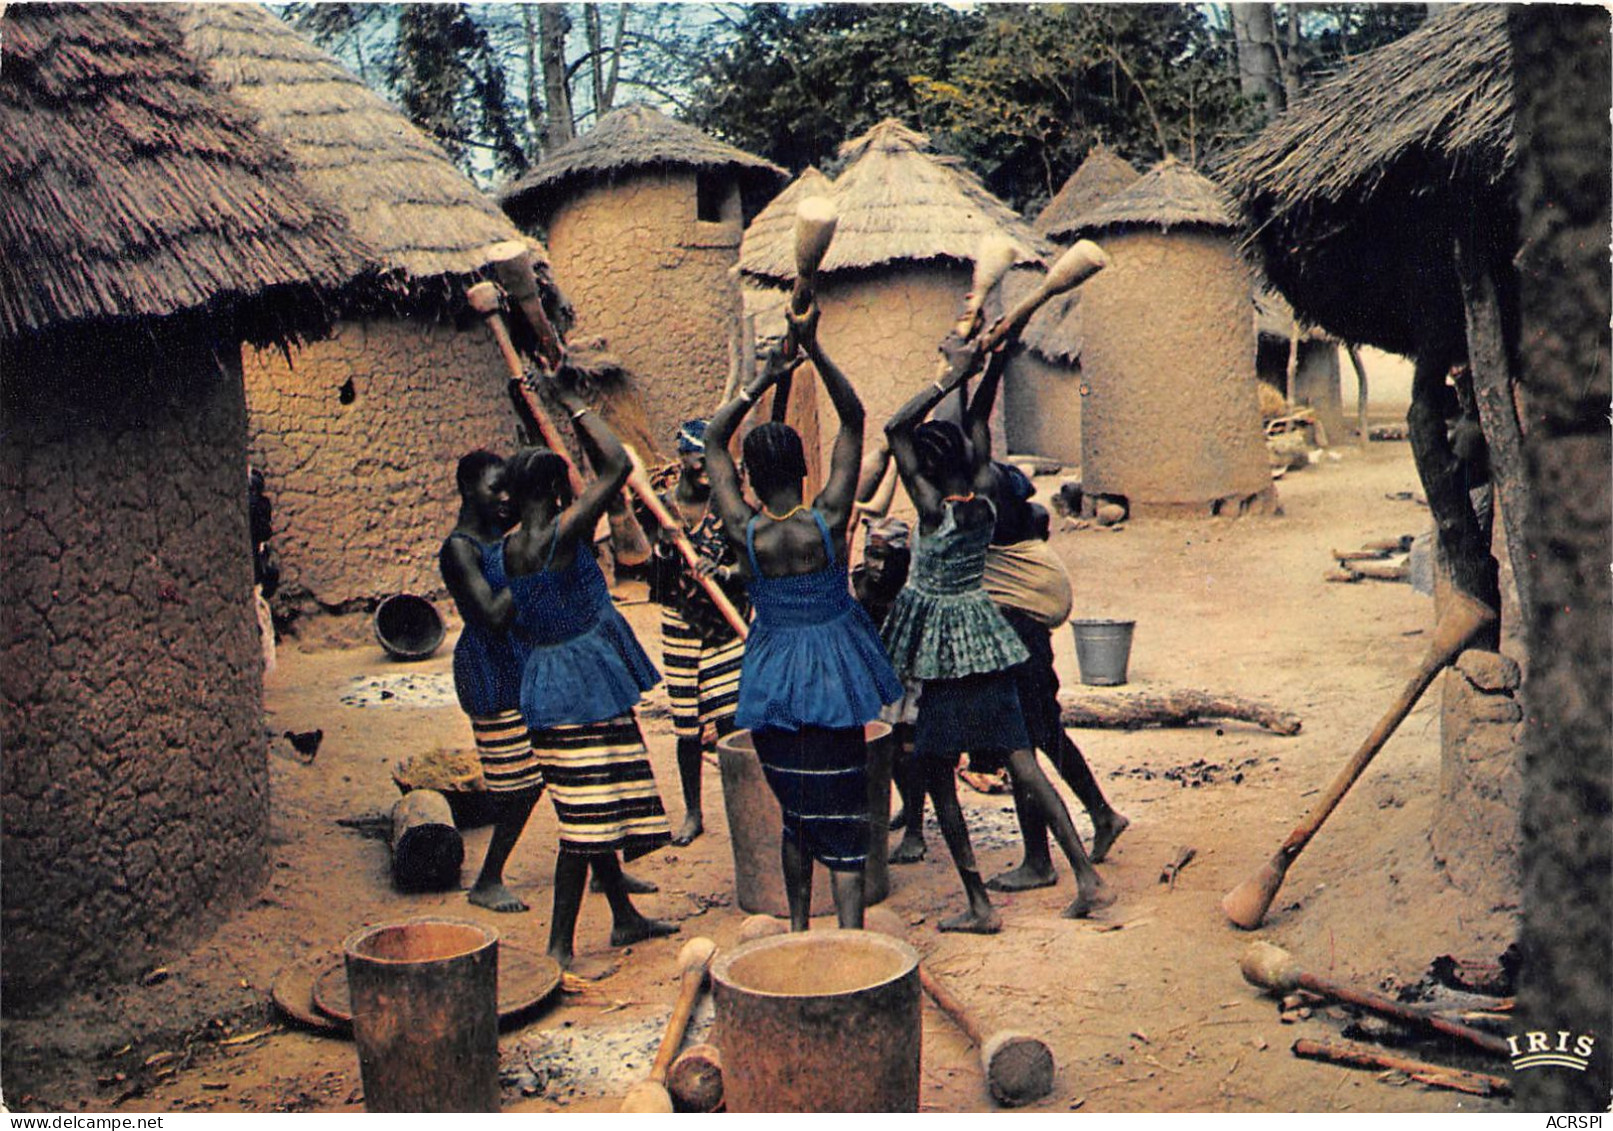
(628, 141)
(134, 189)
(1101, 176)
(1352, 194)
(433, 228)
(899, 204)
(1170, 195)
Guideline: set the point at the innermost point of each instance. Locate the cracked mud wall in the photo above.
(135, 784)
(358, 439)
(1041, 404)
(1173, 419)
(651, 278)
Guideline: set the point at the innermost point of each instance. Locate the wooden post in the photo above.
(1490, 361)
(1360, 394)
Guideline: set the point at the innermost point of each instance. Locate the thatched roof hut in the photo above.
(355, 150)
(357, 437)
(1103, 174)
(627, 142)
(133, 191)
(898, 202)
(1353, 193)
(1170, 195)
(767, 250)
(146, 228)
(1172, 421)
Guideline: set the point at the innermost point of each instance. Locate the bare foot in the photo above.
(910, 851)
(1023, 878)
(1105, 833)
(1088, 900)
(693, 826)
(631, 884)
(973, 923)
(495, 897)
(640, 929)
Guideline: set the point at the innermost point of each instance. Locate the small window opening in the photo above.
(710, 189)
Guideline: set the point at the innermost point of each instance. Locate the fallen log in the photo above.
(1134, 710)
(1434, 1075)
(426, 847)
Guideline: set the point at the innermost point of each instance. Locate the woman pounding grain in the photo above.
(945, 631)
(584, 672)
(815, 672)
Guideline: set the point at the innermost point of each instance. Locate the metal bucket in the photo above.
(819, 1021)
(425, 1015)
(1103, 650)
(756, 827)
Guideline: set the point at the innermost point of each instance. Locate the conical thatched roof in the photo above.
(353, 149)
(1056, 332)
(900, 203)
(134, 189)
(625, 141)
(1352, 194)
(1102, 175)
(1170, 195)
(767, 250)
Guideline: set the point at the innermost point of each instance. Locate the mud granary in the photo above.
(148, 231)
(357, 435)
(1171, 424)
(642, 216)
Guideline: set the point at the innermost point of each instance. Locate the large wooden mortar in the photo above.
(819, 1021)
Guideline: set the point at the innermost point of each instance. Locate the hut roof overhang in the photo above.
(1352, 195)
(1170, 195)
(1101, 176)
(625, 142)
(134, 189)
(358, 153)
(897, 203)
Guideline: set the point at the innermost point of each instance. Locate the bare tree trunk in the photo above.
(534, 105)
(596, 62)
(1258, 68)
(615, 59)
(559, 125)
(1291, 371)
(1360, 394)
(1291, 59)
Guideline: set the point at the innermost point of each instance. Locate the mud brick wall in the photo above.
(1561, 59)
(358, 438)
(1475, 829)
(651, 278)
(135, 785)
(1172, 422)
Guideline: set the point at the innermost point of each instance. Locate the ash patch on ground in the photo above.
(1194, 774)
(573, 1062)
(990, 826)
(412, 689)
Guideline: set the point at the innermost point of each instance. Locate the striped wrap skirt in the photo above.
(702, 680)
(603, 789)
(504, 746)
(820, 777)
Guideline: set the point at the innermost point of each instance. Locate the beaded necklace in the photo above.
(791, 513)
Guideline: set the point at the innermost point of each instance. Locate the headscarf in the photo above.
(1016, 485)
(888, 533)
(691, 436)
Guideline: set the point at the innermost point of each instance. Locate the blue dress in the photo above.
(813, 657)
(583, 663)
(487, 664)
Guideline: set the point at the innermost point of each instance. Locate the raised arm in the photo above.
(977, 418)
(963, 358)
(461, 566)
(610, 461)
(839, 492)
(720, 470)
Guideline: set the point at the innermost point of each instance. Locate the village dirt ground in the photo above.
(1143, 1007)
